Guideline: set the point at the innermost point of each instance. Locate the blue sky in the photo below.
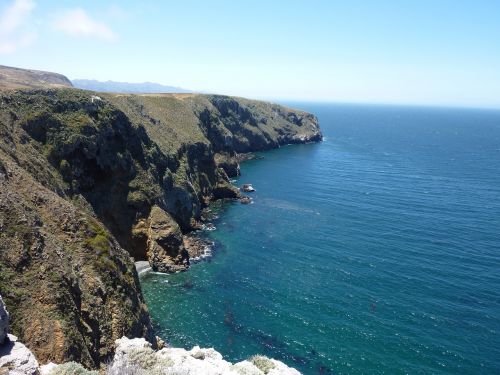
(410, 52)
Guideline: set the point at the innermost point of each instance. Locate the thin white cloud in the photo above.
(13, 23)
(118, 13)
(24, 40)
(76, 22)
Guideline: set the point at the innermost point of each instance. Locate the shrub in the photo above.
(72, 368)
(263, 363)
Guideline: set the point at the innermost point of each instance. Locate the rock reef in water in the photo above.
(89, 180)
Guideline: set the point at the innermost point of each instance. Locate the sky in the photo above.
(434, 52)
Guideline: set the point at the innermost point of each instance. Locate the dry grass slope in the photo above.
(15, 78)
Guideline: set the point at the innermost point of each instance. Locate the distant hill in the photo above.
(16, 78)
(126, 87)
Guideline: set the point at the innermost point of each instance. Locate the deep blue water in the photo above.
(376, 251)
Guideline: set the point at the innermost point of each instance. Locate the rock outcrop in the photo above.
(88, 180)
(229, 163)
(17, 359)
(137, 356)
(166, 252)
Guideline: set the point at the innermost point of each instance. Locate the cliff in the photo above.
(88, 180)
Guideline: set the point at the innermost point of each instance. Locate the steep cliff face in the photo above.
(70, 288)
(86, 180)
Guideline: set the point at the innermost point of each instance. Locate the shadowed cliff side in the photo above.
(71, 289)
(88, 179)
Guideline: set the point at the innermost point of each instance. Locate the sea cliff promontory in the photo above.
(90, 182)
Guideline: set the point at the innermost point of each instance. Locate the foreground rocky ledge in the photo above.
(135, 356)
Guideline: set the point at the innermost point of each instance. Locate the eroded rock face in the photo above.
(229, 163)
(166, 252)
(17, 359)
(223, 188)
(4, 322)
(70, 288)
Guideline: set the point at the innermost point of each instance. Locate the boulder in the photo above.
(245, 200)
(165, 248)
(17, 359)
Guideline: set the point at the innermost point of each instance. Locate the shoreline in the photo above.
(142, 268)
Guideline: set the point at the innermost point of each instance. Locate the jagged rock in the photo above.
(245, 200)
(16, 358)
(160, 343)
(198, 248)
(4, 322)
(225, 190)
(230, 161)
(137, 355)
(166, 252)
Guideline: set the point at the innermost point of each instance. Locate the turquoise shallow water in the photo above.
(376, 251)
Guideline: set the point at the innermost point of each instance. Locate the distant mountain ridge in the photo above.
(126, 87)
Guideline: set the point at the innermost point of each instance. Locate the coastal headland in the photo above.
(91, 182)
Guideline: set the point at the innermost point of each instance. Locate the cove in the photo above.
(375, 251)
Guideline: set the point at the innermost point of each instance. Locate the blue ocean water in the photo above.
(376, 251)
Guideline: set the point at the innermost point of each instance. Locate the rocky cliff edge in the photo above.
(89, 180)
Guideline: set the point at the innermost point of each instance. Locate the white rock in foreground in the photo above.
(134, 355)
(17, 358)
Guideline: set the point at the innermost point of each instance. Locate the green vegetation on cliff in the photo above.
(88, 180)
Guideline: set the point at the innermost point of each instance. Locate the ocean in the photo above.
(376, 251)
